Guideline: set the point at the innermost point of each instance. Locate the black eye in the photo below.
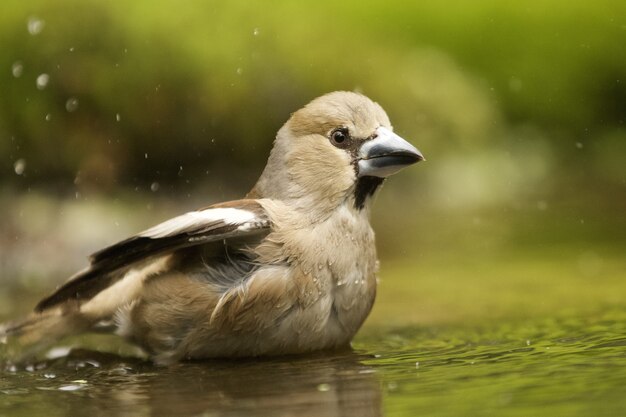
(339, 137)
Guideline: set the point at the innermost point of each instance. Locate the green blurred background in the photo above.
(115, 115)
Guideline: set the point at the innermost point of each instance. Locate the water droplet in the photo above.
(42, 81)
(48, 117)
(528, 343)
(70, 387)
(323, 387)
(19, 166)
(118, 117)
(417, 364)
(154, 187)
(145, 155)
(35, 25)
(58, 352)
(49, 375)
(320, 266)
(239, 71)
(72, 49)
(579, 145)
(17, 69)
(71, 104)
(256, 32)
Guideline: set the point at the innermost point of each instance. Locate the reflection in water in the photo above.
(338, 385)
(570, 366)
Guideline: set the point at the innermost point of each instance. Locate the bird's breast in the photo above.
(334, 267)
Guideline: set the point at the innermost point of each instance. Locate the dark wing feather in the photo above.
(237, 219)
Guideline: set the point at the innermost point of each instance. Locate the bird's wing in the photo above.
(237, 219)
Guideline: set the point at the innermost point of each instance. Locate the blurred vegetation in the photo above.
(209, 82)
(110, 110)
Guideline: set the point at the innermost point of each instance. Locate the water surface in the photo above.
(570, 365)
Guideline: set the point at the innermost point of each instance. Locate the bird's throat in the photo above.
(365, 188)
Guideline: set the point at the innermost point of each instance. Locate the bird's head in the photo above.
(337, 149)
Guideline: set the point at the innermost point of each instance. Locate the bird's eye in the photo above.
(339, 137)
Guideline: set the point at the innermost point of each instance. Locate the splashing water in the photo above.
(35, 25)
(42, 81)
(71, 105)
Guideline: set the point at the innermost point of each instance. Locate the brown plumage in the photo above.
(290, 269)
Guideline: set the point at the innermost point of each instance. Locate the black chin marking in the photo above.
(365, 187)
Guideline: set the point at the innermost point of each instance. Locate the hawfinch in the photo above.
(289, 269)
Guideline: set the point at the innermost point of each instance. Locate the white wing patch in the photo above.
(195, 218)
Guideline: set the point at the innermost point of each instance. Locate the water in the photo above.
(553, 367)
(566, 366)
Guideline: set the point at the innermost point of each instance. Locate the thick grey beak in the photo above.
(386, 154)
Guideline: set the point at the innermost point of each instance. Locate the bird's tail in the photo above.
(24, 339)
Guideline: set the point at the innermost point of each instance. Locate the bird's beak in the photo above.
(386, 154)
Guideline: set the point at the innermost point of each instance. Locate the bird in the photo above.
(291, 268)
